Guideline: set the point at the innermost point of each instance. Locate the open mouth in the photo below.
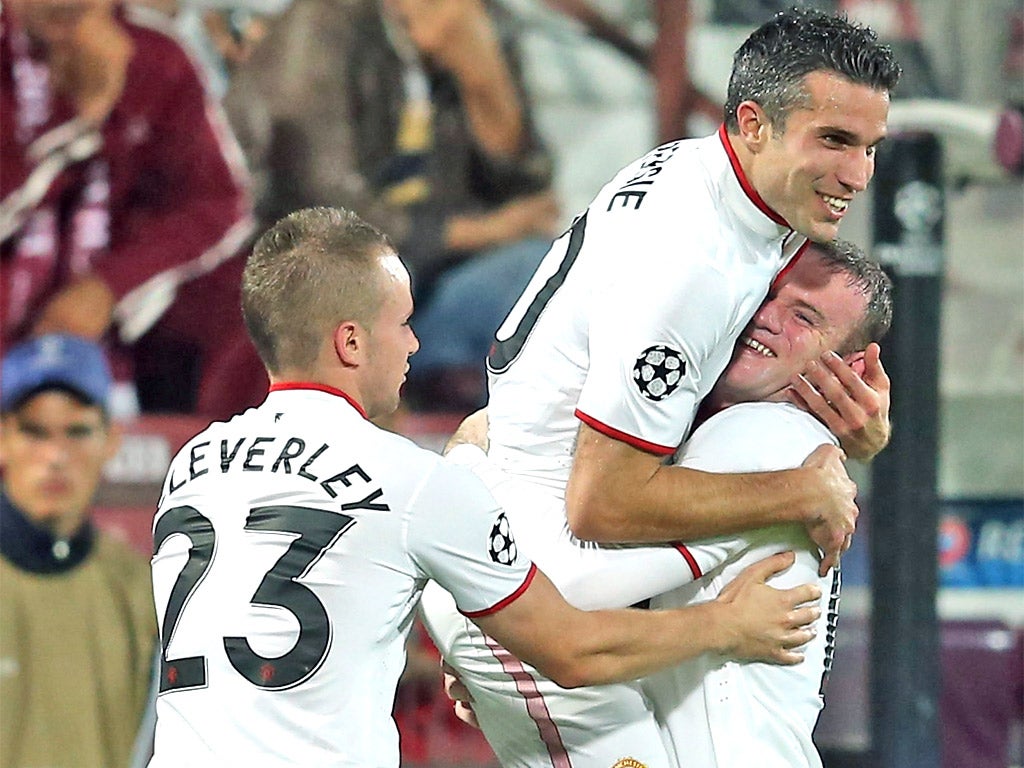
(837, 205)
(757, 346)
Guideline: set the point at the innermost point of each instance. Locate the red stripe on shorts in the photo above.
(526, 685)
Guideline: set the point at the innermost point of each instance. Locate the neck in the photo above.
(37, 549)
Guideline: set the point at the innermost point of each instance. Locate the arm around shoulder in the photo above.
(620, 493)
(749, 620)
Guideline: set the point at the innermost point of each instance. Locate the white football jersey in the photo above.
(725, 714)
(291, 546)
(633, 314)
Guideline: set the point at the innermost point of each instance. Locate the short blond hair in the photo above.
(312, 270)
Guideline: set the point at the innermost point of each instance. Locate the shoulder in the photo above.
(668, 192)
(128, 567)
(754, 437)
(160, 53)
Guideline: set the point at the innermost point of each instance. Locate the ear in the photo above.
(856, 362)
(350, 343)
(754, 126)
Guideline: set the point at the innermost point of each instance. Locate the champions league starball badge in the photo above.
(658, 371)
(502, 547)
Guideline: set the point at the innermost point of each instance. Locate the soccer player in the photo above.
(713, 712)
(292, 542)
(599, 368)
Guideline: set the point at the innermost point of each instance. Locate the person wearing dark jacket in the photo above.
(124, 201)
(77, 623)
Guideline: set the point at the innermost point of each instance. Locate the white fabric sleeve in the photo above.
(644, 327)
(460, 537)
(588, 575)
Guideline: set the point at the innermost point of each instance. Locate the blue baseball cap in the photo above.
(57, 361)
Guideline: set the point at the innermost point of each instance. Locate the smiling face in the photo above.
(53, 455)
(810, 168)
(808, 312)
(392, 341)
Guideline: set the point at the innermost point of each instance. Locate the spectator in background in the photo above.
(411, 113)
(77, 627)
(728, 22)
(223, 33)
(124, 201)
(607, 80)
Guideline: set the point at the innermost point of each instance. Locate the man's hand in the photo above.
(455, 34)
(768, 623)
(854, 407)
(831, 523)
(472, 431)
(90, 70)
(83, 308)
(459, 36)
(459, 694)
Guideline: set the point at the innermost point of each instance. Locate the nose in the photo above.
(55, 451)
(769, 316)
(415, 346)
(857, 169)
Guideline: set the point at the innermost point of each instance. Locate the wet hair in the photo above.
(312, 270)
(770, 66)
(868, 277)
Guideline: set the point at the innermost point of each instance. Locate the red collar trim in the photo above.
(748, 188)
(286, 385)
(792, 262)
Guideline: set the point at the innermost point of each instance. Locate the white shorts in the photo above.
(529, 721)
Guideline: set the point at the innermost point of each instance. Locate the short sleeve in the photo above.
(656, 346)
(461, 538)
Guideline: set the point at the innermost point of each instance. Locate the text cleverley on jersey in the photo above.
(256, 459)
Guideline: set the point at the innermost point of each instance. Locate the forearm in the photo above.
(579, 648)
(680, 504)
(748, 620)
(472, 232)
(618, 493)
(493, 106)
(616, 646)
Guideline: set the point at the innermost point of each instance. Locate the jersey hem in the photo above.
(507, 601)
(625, 437)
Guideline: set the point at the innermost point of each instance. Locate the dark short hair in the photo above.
(770, 66)
(312, 270)
(867, 276)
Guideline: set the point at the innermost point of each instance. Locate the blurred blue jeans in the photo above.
(468, 302)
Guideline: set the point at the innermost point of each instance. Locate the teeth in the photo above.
(757, 346)
(836, 203)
